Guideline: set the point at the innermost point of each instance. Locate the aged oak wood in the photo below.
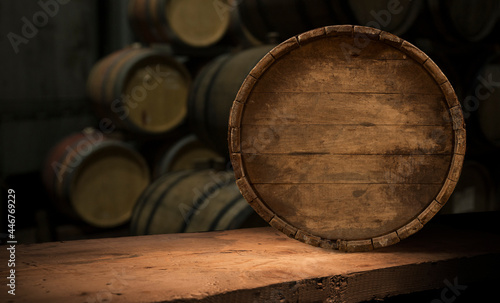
(94, 178)
(192, 201)
(142, 90)
(346, 137)
(248, 265)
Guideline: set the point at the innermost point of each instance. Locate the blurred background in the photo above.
(113, 113)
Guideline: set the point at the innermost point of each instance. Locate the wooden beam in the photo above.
(247, 265)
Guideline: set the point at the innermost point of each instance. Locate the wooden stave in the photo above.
(161, 192)
(49, 177)
(197, 97)
(208, 116)
(138, 21)
(390, 238)
(61, 192)
(167, 158)
(109, 76)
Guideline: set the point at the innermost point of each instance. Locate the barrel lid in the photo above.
(346, 137)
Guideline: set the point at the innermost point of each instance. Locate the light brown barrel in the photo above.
(142, 90)
(194, 23)
(475, 191)
(186, 154)
(465, 21)
(192, 201)
(346, 137)
(213, 92)
(95, 179)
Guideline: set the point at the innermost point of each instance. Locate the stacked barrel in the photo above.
(163, 105)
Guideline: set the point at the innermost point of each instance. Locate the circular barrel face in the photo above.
(346, 137)
(199, 23)
(107, 184)
(157, 95)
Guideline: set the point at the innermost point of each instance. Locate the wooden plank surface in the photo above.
(248, 265)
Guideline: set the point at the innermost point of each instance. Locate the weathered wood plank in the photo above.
(246, 265)
(353, 208)
(345, 168)
(336, 74)
(347, 139)
(345, 108)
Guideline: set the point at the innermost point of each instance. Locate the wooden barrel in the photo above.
(192, 201)
(142, 90)
(186, 154)
(395, 17)
(286, 18)
(475, 191)
(346, 137)
(213, 92)
(95, 179)
(469, 21)
(194, 23)
(481, 105)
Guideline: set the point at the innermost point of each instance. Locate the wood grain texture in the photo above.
(349, 135)
(247, 265)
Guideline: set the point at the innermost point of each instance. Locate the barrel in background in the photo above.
(194, 23)
(95, 179)
(185, 154)
(192, 201)
(475, 191)
(280, 19)
(141, 90)
(213, 92)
